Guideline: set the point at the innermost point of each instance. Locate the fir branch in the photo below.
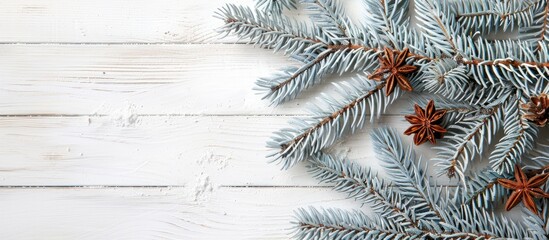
(268, 31)
(450, 80)
(438, 25)
(484, 190)
(330, 17)
(538, 32)
(519, 138)
(399, 163)
(307, 135)
(480, 82)
(457, 222)
(508, 63)
(330, 224)
(387, 18)
(276, 6)
(292, 81)
(467, 139)
(491, 15)
(539, 225)
(280, 33)
(544, 38)
(478, 223)
(361, 184)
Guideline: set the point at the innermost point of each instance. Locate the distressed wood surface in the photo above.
(120, 21)
(189, 79)
(131, 119)
(157, 79)
(157, 213)
(108, 133)
(133, 150)
(111, 21)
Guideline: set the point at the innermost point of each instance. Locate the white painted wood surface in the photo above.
(130, 119)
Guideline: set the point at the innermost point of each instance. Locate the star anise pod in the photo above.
(393, 70)
(524, 189)
(538, 109)
(425, 124)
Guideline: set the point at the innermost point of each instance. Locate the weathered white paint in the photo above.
(119, 21)
(137, 122)
(157, 79)
(170, 137)
(153, 150)
(156, 213)
(110, 21)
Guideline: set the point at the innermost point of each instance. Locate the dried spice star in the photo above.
(425, 124)
(538, 109)
(393, 70)
(524, 189)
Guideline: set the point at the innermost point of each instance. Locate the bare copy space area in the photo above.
(128, 119)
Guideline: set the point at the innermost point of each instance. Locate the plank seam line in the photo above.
(46, 115)
(309, 186)
(123, 43)
(169, 186)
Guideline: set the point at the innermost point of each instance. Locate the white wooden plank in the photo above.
(126, 149)
(110, 21)
(156, 213)
(120, 21)
(154, 79)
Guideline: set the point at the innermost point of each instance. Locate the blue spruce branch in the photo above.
(483, 189)
(467, 139)
(519, 138)
(493, 15)
(479, 81)
(362, 185)
(276, 6)
(332, 119)
(457, 221)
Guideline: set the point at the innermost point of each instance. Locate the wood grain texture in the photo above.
(121, 21)
(156, 79)
(156, 213)
(110, 21)
(131, 132)
(131, 119)
(131, 150)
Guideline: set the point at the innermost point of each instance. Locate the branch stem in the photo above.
(330, 118)
(425, 233)
(544, 27)
(473, 62)
(502, 16)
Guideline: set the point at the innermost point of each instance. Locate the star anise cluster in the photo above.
(538, 110)
(425, 124)
(524, 189)
(394, 70)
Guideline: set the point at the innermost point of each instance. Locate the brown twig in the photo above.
(474, 62)
(502, 16)
(328, 119)
(459, 151)
(544, 27)
(534, 172)
(296, 74)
